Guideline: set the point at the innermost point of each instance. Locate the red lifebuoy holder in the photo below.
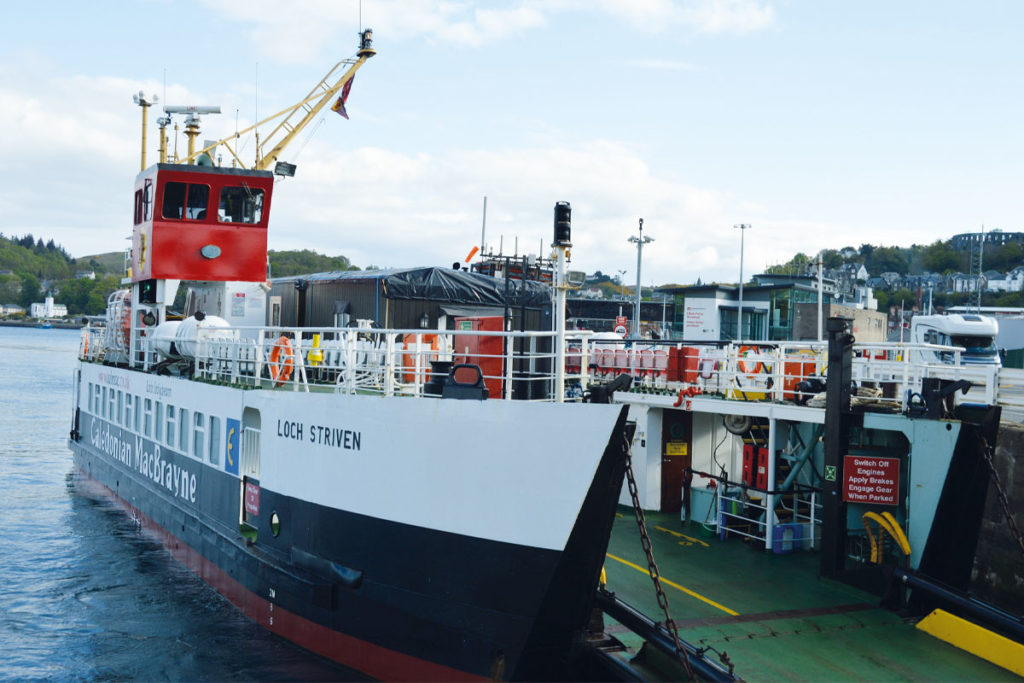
(749, 367)
(282, 361)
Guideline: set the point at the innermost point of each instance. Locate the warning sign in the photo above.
(871, 480)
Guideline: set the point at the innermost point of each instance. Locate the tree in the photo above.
(831, 258)
(30, 290)
(1004, 258)
(887, 259)
(10, 289)
(285, 263)
(939, 257)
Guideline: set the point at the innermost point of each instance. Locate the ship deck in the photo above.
(771, 613)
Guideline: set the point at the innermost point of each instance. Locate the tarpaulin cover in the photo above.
(445, 285)
(463, 287)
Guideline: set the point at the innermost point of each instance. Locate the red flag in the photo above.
(339, 106)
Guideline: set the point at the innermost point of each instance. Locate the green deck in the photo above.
(788, 624)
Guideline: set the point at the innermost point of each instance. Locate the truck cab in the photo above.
(976, 334)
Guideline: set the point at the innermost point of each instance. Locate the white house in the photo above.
(1013, 281)
(11, 309)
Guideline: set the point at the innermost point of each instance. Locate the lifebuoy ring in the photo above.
(282, 361)
(85, 345)
(745, 365)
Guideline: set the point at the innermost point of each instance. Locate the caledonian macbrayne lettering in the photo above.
(145, 457)
(323, 435)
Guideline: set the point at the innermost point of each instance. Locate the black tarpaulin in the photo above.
(445, 285)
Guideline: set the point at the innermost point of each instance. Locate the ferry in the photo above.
(434, 499)
(363, 492)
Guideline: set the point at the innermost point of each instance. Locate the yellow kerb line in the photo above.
(675, 585)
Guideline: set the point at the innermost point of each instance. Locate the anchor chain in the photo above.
(1001, 494)
(652, 568)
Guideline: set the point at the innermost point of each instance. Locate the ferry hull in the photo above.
(409, 602)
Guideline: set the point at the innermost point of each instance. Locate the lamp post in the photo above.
(640, 241)
(743, 227)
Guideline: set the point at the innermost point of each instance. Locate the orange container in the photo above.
(796, 368)
(428, 351)
(691, 363)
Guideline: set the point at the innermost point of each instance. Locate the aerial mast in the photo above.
(140, 99)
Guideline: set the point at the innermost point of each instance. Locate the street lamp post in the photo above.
(743, 227)
(640, 242)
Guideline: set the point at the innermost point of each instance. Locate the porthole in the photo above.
(275, 524)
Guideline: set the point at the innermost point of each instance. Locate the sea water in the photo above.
(85, 593)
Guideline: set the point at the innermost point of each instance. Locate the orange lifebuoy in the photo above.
(85, 346)
(745, 365)
(282, 361)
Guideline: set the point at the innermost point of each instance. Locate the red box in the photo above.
(484, 351)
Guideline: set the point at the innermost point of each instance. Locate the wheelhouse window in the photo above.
(186, 200)
(138, 207)
(240, 205)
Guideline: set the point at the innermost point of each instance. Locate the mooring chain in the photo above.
(1003, 500)
(652, 568)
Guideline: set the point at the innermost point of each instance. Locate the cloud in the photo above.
(296, 36)
(383, 207)
(700, 16)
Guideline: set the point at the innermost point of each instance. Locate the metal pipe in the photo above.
(739, 314)
(658, 637)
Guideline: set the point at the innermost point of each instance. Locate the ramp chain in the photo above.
(987, 450)
(652, 568)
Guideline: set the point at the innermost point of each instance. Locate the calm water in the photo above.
(86, 595)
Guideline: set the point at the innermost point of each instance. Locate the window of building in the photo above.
(183, 430)
(158, 421)
(240, 205)
(147, 418)
(186, 200)
(128, 416)
(198, 434)
(214, 440)
(171, 422)
(110, 411)
(138, 207)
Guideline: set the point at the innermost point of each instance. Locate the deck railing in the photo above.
(521, 365)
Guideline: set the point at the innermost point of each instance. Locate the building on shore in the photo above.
(48, 309)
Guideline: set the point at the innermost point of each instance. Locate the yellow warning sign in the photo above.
(676, 448)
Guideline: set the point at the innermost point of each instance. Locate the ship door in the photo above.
(676, 456)
(250, 503)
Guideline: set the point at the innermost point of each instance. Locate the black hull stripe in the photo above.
(369, 658)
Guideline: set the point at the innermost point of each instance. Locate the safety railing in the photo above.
(887, 374)
(522, 365)
(513, 365)
(793, 523)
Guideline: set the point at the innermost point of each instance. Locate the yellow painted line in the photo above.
(979, 641)
(675, 585)
(691, 539)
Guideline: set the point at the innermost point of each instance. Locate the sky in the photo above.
(819, 123)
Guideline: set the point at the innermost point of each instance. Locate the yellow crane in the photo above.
(296, 118)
